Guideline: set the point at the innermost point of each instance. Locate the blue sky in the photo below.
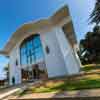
(13, 13)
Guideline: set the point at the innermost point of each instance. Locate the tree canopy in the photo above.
(90, 46)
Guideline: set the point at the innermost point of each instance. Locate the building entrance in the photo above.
(33, 72)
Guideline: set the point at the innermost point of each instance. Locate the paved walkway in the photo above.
(3, 95)
(8, 91)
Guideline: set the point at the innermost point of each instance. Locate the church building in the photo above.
(43, 49)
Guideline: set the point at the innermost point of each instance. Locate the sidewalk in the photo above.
(3, 95)
(7, 92)
(10, 90)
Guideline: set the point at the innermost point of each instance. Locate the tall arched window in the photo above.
(31, 50)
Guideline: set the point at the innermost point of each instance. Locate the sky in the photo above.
(14, 13)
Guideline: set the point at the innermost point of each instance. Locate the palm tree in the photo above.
(95, 15)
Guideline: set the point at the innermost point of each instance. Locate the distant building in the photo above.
(3, 82)
(43, 49)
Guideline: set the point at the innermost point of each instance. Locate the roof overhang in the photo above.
(61, 17)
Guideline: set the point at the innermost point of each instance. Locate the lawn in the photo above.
(88, 81)
(67, 86)
(90, 67)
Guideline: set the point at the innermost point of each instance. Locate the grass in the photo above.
(90, 67)
(66, 85)
(69, 86)
(91, 81)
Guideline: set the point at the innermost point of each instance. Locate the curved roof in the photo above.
(62, 16)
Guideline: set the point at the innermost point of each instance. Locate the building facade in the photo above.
(43, 49)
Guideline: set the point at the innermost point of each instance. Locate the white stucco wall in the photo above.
(60, 61)
(15, 71)
(54, 60)
(72, 64)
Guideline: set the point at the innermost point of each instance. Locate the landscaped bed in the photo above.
(86, 82)
(81, 82)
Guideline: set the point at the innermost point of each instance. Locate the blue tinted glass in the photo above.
(31, 50)
(36, 42)
(38, 54)
(33, 59)
(24, 60)
(23, 50)
(29, 45)
(29, 60)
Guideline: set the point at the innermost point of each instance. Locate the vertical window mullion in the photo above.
(33, 48)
